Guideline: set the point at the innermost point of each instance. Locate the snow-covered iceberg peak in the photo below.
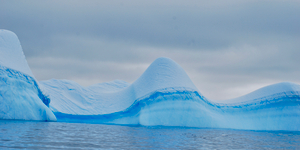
(11, 53)
(20, 95)
(163, 73)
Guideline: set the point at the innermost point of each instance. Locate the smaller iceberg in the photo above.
(20, 95)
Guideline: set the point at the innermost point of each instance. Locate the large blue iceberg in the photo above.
(164, 96)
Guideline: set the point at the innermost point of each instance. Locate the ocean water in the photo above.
(58, 135)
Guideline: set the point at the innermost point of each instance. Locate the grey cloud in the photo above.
(227, 48)
(193, 28)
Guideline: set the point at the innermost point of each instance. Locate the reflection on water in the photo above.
(56, 135)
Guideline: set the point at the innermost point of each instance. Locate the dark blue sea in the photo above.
(57, 135)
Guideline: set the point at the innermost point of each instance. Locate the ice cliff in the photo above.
(20, 95)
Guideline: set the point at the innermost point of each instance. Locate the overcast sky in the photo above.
(228, 48)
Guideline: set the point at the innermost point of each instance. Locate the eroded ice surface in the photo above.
(20, 95)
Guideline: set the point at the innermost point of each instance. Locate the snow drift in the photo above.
(20, 95)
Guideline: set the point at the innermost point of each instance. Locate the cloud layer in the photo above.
(227, 48)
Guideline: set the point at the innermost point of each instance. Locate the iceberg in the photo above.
(163, 95)
(20, 95)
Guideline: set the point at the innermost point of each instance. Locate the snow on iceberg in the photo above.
(165, 95)
(20, 95)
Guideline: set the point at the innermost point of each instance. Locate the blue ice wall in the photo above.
(17, 75)
(21, 99)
